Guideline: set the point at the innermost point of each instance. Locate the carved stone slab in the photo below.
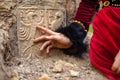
(43, 3)
(28, 19)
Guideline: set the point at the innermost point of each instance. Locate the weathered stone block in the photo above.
(29, 18)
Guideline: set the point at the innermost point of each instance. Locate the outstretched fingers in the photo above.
(48, 31)
(47, 43)
(116, 64)
(43, 38)
(116, 67)
(49, 48)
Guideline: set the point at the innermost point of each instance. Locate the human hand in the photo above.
(52, 40)
(116, 64)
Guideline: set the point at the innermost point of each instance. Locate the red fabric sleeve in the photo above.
(85, 11)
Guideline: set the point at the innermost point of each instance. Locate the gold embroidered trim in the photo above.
(106, 3)
(76, 21)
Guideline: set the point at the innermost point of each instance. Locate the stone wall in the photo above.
(31, 15)
(18, 19)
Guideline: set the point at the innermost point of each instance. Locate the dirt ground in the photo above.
(56, 66)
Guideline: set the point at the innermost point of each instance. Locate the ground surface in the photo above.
(56, 66)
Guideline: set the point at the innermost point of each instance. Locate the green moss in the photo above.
(90, 28)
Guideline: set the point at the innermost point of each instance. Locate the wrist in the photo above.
(76, 35)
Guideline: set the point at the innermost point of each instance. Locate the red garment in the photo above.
(105, 42)
(85, 11)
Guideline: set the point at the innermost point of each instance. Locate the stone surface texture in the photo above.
(20, 58)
